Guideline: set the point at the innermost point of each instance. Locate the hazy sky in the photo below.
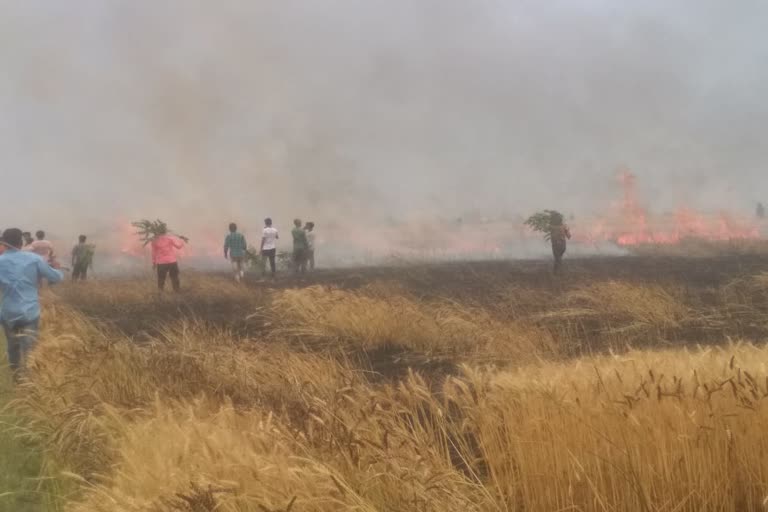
(202, 111)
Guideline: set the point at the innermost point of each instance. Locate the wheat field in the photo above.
(606, 394)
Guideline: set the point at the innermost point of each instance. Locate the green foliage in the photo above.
(253, 257)
(28, 482)
(255, 260)
(284, 260)
(544, 221)
(147, 230)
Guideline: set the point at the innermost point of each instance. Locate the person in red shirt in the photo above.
(164, 259)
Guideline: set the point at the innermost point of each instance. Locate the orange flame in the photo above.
(635, 226)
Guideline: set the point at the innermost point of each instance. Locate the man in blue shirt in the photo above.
(20, 273)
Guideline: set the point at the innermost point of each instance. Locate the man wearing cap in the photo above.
(20, 273)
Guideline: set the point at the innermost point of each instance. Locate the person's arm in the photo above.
(46, 271)
(226, 247)
(177, 243)
(74, 256)
(568, 233)
(263, 239)
(153, 246)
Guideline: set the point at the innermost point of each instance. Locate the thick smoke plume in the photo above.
(369, 115)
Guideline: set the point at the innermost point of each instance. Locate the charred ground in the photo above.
(597, 305)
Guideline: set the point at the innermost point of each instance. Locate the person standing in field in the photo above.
(43, 248)
(558, 234)
(268, 248)
(164, 258)
(309, 227)
(82, 259)
(235, 247)
(299, 247)
(20, 273)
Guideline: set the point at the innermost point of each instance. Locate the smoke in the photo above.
(358, 113)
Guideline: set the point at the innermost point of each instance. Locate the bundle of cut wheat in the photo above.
(148, 230)
(543, 222)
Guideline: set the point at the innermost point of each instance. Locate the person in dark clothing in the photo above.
(168, 269)
(558, 234)
(82, 259)
(300, 246)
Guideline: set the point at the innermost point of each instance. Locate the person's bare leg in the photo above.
(236, 269)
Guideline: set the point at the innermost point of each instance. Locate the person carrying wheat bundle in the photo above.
(164, 258)
(164, 250)
(558, 234)
(551, 223)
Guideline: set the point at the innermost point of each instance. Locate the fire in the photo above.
(128, 243)
(627, 222)
(635, 226)
(204, 246)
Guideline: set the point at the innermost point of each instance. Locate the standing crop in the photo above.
(254, 259)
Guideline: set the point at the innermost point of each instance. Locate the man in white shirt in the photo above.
(269, 239)
(309, 227)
